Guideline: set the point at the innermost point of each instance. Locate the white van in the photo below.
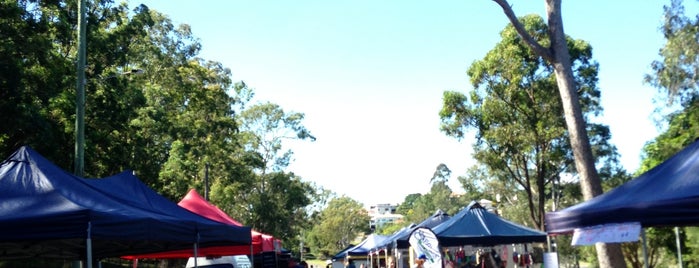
(237, 261)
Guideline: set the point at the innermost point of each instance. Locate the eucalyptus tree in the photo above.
(662, 241)
(340, 223)
(521, 134)
(418, 207)
(554, 51)
(676, 76)
(677, 72)
(265, 126)
(681, 131)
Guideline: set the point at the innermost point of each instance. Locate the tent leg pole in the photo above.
(252, 257)
(89, 245)
(679, 246)
(645, 249)
(385, 257)
(89, 253)
(196, 254)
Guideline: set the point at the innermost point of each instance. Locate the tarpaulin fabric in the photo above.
(437, 218)
(390, 241)
(667, 195)
(46, 212)
(195, 203)
(474, 225)
(363, 248)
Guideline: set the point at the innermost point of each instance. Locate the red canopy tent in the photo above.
(197, 204)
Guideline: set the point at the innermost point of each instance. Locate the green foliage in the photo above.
(390, 228)
(517, 115)
(340, 223)
(34, 76)
(175, 125)
(675, 75)
(265, 126)
(690, 251)
(280, 208)
(677, 72)
(405, 208)
(681, 131)
(418, 207)
(438, 198)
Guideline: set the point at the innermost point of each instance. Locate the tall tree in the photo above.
(519, 124)
(281, 209)
(555, 52)
(405, 208)
(682, 130)
(265, 126)
(677, 72)
(340, 223)
(676, 76)
(263, 129)
(418, 207)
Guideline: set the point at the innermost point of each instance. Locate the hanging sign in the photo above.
(607, 233)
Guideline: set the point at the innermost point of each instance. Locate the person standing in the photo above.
(391, 262)
(420, 261)
(349, 263)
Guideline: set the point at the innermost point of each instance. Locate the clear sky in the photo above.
(369, 76)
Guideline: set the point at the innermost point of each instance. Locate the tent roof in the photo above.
(388, 242)
(363, 248)
(47, 212)
(474, 225)
(668, 195)
(437, 218)
(194, 202)
(343, 253)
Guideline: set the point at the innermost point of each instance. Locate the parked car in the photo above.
(237, 261)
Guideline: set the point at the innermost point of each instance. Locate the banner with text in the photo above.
(607, 233)
(424, 241)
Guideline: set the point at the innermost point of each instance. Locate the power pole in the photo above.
(80, 92)
(80, 107)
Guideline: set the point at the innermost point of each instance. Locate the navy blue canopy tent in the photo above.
(363, 248)
(388, 243)
(46, 212)
(343, 253)
(437, 218)
(667, 195)
(474, 225)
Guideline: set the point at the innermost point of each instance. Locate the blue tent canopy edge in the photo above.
(666, 195)
(48, 213)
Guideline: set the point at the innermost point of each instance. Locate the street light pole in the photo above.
(80, 108)
(80, 92)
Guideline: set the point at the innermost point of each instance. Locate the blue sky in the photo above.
(369, 76)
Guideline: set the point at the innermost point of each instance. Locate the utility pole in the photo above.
(80, 92)
(80, 108)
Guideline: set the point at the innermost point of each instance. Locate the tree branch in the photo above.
(528, 39)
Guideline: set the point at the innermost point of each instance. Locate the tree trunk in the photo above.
(608, 255)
